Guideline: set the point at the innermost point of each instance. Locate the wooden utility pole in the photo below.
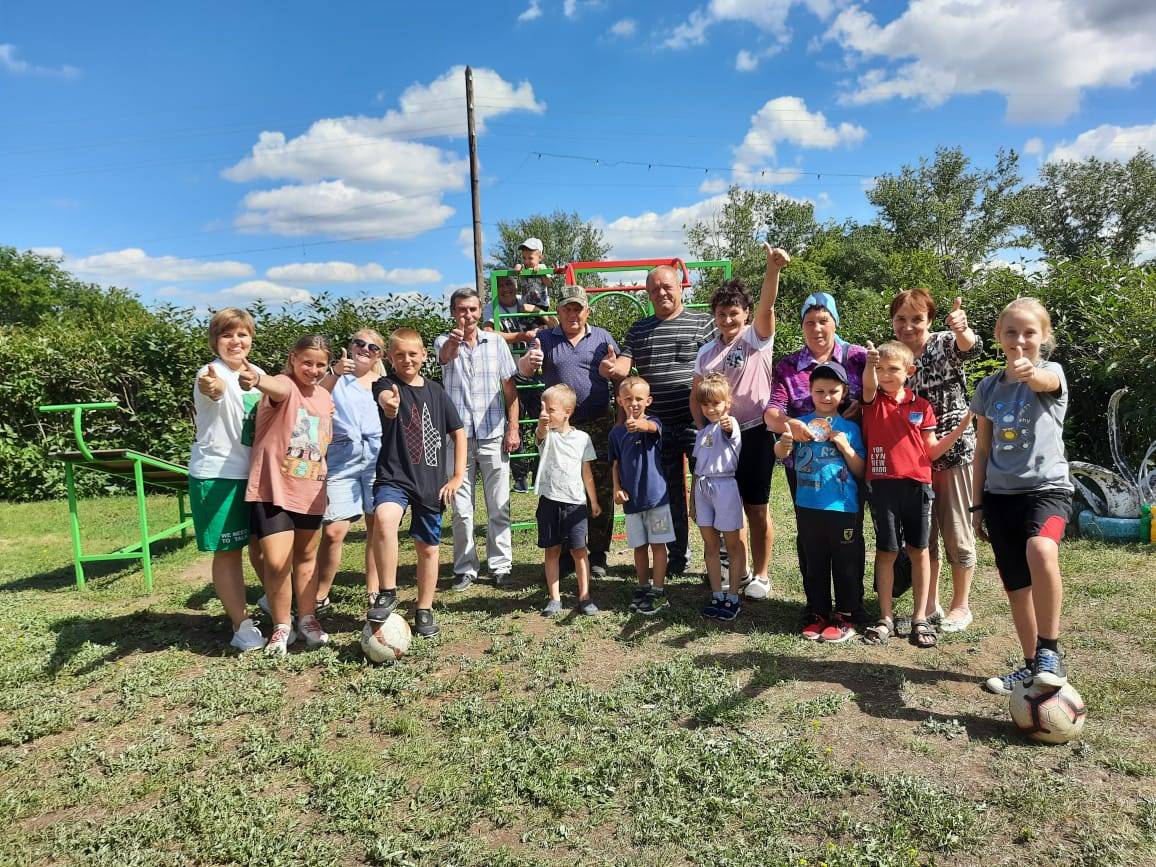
(474, 199)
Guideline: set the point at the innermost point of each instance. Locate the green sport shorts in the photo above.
(220, 513)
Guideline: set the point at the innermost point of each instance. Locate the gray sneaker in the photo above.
(586, 606)
(503, 581)
(553, 608)
(463, 582)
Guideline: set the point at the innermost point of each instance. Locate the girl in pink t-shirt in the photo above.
(286, 489)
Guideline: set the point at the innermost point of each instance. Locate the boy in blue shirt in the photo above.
(827, 508)
(640, 488)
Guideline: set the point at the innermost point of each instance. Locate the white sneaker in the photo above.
(247, 637)
(759, 588)
(283, 635)
(311, 629)
(263, 604)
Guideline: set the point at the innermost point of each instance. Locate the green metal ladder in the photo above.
(126, 464)
(628, 293)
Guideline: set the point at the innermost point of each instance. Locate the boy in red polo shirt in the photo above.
(899, 430)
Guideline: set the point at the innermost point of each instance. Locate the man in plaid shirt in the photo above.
(477, 374)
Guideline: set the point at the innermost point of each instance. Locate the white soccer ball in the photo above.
(386, 642)
(1052, 715)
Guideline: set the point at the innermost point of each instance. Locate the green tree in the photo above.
(565, 237)
(746, 219)
(949, 208)
(1091, 207)
(33, 286)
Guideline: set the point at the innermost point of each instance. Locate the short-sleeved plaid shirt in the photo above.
(473, 380)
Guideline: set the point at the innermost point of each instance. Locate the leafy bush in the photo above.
(146, 362)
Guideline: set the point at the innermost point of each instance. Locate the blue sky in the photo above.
(217, 152)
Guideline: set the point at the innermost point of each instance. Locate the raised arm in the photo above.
(870, 383)
(937, 448)
(1024, 370)
(764, 319)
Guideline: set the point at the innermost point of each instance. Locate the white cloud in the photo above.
(745, 61)
(347, 272)
(466, 242)
(569, 8)
(531, 12)
(134, 264)
(1034, 146)
(1108, 142)
(1146, 249)
(624, 29)
(12, 64)
(769, 16)
(365, 175)
(273, 294)
(786, 119)
(652, 235)
(50, 252)
(1039, 54)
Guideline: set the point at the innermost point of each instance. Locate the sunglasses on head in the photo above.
(365, 344)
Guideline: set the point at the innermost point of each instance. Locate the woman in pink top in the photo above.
(286, 487)
(742, 354)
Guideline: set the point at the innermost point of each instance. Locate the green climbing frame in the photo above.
(571, 273)
(142, 469)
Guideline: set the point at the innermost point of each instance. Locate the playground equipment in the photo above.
(599, 295)
(142, 469)
(1120, 501)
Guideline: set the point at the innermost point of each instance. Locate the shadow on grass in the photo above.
(877, 687)
(137, 632)
(100, 573)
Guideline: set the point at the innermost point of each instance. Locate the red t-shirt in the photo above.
(893, 431)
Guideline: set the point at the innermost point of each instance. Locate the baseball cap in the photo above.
(531, 244)
(831, 370)
(821, 299)
(573, 295)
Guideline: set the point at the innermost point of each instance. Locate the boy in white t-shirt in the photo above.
(225, 405)
(564, 484)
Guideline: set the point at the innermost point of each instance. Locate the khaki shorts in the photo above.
(950, 515)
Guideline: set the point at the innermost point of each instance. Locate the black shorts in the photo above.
(1012, 519)
(562, 524)
(265, 519)
(756, 463)
(901, 512)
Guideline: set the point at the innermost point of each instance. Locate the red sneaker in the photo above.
(814, 628)
(840, 630)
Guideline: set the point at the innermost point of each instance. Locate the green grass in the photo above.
(130, 735)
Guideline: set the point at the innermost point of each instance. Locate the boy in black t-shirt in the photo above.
(417, 417)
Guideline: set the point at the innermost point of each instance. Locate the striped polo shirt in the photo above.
(664, 352)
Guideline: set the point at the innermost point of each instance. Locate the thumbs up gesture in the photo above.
(1020, 369)
(606, 366)
(872, 354)
(534, 356)
(956, 320)
(247, 376)
(344, 364)
(210, 385)
(777, 257)
(390, 400)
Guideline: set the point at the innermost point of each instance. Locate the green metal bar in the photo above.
(142, 511)
(77, 410)
(156, 537)
(74, 525)
(158, 463)
(184, 516)
(94, 558)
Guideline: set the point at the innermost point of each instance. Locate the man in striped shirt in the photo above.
(663, 348)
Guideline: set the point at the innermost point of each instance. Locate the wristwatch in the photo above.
(976, 508)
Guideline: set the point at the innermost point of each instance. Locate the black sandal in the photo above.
(923, 635)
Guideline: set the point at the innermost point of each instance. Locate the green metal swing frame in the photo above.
(571, 272)
(142, 469)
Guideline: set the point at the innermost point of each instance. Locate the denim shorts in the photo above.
(425, 525)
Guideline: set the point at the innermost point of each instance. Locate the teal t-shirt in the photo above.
(823, 479)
